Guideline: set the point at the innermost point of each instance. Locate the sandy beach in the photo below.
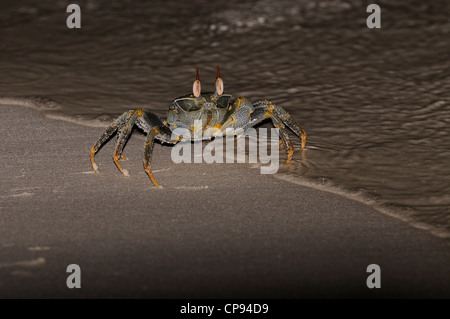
(220, 230)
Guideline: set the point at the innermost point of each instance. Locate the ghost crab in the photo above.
(217, 112)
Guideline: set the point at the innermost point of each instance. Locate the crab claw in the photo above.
(219, 83)
(196, 88)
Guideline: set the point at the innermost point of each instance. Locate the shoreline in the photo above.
(403, 215)
(208, 218)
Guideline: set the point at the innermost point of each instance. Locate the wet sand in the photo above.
(220, 230)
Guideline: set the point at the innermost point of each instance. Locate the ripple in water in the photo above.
(22, 75)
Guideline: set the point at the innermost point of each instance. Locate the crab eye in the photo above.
(188, 105)
(219, 86)
(222, 102)
(219, 83)
(197, 87)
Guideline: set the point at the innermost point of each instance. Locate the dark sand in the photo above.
(217, 230)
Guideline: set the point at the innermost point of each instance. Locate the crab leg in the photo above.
(104, 137)
(124, 133)
(284, 137)
(278, 112)
(163, 133)
(149, 123)
(148, 153)
(263, 110)
(292, 124)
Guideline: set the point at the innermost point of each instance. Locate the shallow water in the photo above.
(375, 103)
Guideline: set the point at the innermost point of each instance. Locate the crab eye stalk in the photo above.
(219, 83)
(197, 87)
